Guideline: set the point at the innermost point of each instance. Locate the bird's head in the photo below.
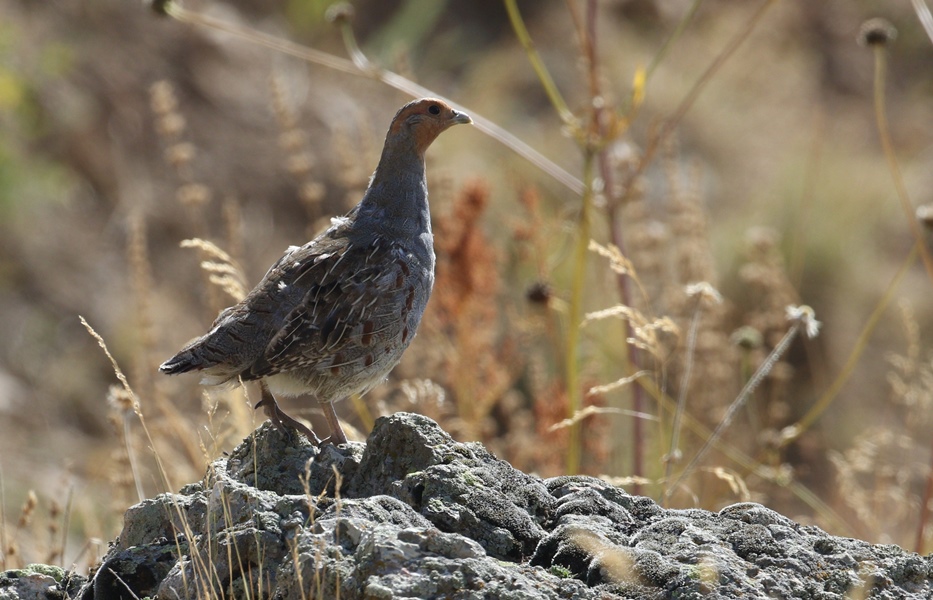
(423, 120)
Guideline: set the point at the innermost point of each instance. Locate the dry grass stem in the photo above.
(126, 404)
(224, 271)
(141, 275)
(618, 263)
(923, 14)
(735, 482)
(590, 411)
(616, 562)
(648, 333)
(133, 401)
(877, 33)
(130, 395)
(602, 389)
(801, 317)
(674, 449)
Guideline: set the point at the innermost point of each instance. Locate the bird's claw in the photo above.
(284, 422)
(329, 440)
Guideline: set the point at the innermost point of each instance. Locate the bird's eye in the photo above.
(434, 109)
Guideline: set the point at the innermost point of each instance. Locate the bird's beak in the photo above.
(461, 118)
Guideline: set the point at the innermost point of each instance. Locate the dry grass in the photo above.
(492, 362)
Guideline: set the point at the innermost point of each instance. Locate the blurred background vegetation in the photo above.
(124, 133)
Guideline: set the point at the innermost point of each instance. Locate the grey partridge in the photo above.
(333, 317)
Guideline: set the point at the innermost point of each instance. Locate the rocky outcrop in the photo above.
(414, 514)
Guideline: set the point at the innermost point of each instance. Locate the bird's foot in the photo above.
(283, 421)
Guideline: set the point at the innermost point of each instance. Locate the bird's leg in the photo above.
(337, 435)
(282, 421)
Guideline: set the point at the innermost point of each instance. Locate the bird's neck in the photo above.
(398, 193)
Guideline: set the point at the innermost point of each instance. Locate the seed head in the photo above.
(539, 293)
(340, 13)
(876, 32)
(747, 338)
(160, 7)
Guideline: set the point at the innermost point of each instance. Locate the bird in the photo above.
(332, 317)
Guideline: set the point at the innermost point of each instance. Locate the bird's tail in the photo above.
(182, 362)
(192, 358)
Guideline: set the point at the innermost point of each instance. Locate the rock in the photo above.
(414, 514)
(460, 488)
(39, 582)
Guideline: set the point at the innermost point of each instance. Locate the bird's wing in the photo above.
(346, 294)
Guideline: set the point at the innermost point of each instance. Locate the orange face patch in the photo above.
(434, 117)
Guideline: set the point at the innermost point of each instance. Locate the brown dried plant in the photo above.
(767, 292)
(23, 542)
(141, 278)
(713, 356)
(701, 373)
(882, 475)
(179, 153)
(467, 316)
(667, 259)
